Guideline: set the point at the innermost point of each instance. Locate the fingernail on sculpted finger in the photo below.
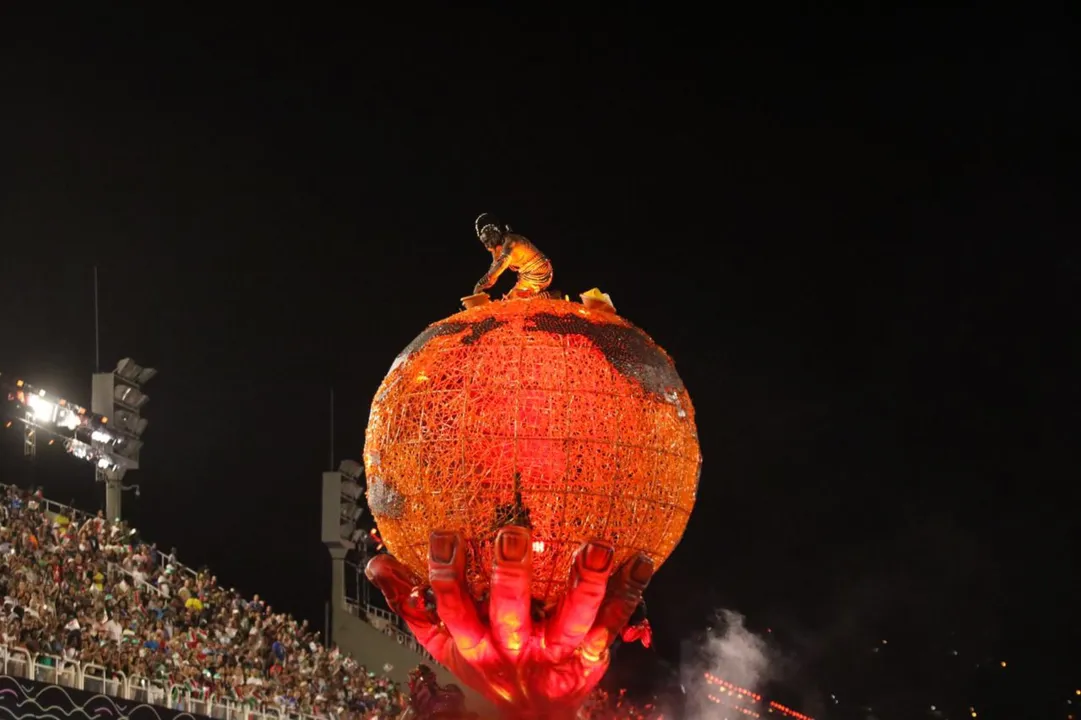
(597, 557)
(512, 545)
(443, 547)
(377, 579)
(641, 570)
(371, 570)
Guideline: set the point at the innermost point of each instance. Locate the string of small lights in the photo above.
(746, 702)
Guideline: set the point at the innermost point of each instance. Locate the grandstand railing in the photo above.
(54, 670)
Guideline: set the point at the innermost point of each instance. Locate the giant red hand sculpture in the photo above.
(529, 667)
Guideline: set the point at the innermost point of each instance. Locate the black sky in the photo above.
(856, 235)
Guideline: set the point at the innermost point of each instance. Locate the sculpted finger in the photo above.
(393, 579)
(446, 573)
(402, 589)
(586, 589)
(509, 599)
(411, 602)
(624, 593)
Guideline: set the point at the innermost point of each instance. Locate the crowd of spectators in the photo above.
(87, 590)
(82, 589)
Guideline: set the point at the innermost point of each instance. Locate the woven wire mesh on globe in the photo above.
(537, 411)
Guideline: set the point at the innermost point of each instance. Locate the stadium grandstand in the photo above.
(88, 606)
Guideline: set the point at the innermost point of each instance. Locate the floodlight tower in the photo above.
(343, 506)
(119, 397)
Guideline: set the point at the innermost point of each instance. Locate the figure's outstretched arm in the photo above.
(499, 265)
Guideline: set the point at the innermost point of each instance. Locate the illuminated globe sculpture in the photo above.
(542, 412)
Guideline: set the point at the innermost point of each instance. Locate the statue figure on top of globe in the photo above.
(530, 463)
(512, 251)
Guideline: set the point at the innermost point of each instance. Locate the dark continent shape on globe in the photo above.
(578, 411)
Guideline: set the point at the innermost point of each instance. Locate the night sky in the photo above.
(856, 236)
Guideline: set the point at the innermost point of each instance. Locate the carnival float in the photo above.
(531, 461)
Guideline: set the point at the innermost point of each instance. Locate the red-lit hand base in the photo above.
(528, 668)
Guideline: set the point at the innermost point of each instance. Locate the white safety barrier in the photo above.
(54, 670)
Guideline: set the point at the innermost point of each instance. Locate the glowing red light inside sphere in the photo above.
(578, 410)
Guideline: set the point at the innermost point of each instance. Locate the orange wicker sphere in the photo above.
(579, 410)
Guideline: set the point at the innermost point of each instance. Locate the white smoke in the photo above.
(730, 652)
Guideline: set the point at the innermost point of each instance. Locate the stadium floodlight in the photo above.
(42, 413)
(119, 395)
(45, 411)
(41, 410)
(351, 510)
(343, 506)
(351, 490)
(128, 448)
(134, 373)
(130, 423)
(351, 469)
(128, 396)
(351, 498)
